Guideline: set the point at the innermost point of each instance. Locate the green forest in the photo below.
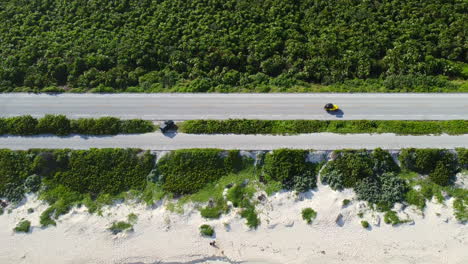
(233, 46)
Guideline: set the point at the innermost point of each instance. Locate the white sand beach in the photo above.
(162, 236)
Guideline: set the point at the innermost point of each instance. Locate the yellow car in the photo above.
(330, 107)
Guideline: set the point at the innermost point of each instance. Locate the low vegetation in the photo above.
(246, 126)
(206, 230)
(290, 168)
(23, 227)
(60, 125)
(308, 214)
(188, 171)
(219, 180)
(391, 217)
(120, 226)
(365, 224)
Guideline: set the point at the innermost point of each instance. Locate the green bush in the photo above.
(462, 154)
(22, 125)
(289, 167)
(346, 202)
(120, 226)
(15, 167)
(440, 164)
(424, 161)
(414, 197)
(135, 126)
(401, 127)
(54, 124)
(385, 189)
(60, 125)
(347, 169)
(187, 171)
(365, 224)
(110, 171)
(23, 227)
(206, 230)
(441, 174)
(308, 214)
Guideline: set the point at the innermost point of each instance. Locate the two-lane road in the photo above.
(250, 106)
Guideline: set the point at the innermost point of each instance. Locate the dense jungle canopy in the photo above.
(227, 45)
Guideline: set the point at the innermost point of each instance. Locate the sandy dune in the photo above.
(161, 236)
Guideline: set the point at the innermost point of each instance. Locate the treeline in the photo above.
(60, 125)
(230, 45)
(65, 178)
(253, 126)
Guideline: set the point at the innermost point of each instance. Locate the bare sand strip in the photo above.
(158, 141)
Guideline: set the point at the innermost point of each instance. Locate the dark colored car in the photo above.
(167, 126)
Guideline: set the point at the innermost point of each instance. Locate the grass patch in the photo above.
(283, 127)
(460, 206)
(23, 227)
(346, 202)
(215, 210)
(250, 216)
(120, 226)
(206, 230)
(391, 217)
(308, 214)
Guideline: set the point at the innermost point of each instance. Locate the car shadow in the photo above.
(338, 113)
(170, 133)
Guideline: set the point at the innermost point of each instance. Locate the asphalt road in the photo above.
(158, 141)
(253, 106)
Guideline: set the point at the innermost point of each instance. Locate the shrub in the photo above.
(347, 169)
(206, 230)
(23, 227)
(290, 168)
(424, 161)
(414, 197)
(30, 210)
(15, 166)
(308, 214)
(60, 125)
(109, 171)
(32, 183)
(245, 126)
(441, 174)
(134, 126)
(463, 157)
(120, 226)
(365, 224)
(187, 171)
(383, 162)
(22, 125)
(54, 124)
(346, 202)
